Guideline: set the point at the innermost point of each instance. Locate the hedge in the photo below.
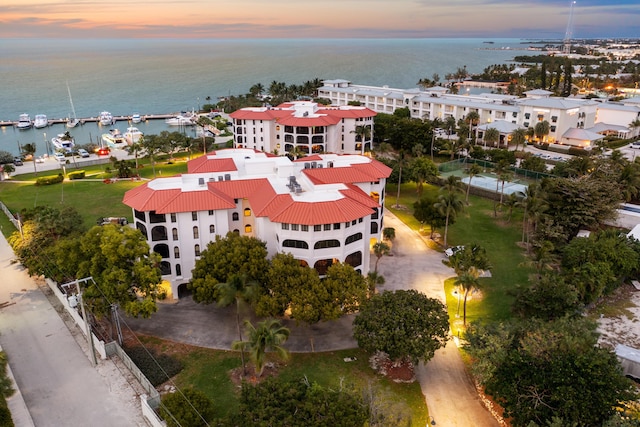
(76, 175)
(153, 365)
(48, 180)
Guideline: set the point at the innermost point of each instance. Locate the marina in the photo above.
(96, 119)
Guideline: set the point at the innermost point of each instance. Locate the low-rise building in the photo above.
(323, 209)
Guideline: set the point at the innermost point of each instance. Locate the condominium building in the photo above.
(304, 127)
(323, 208)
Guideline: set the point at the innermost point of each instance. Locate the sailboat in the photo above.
(71, 121)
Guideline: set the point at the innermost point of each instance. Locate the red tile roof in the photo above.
(205, 164)
(239, 188)
(359, 172)
(145, 199)
(312, 213)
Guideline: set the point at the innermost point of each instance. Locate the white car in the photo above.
(635, 144)
(60, 157)
(83, 153)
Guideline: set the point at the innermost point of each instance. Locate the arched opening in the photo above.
(176, 252)
(354, 259)
(183, 290)
(174, 233)
(162, 249)
(247, 228)
(159, 232)
(165, 268)
(143, 229)
(235, 216)
(322, 266)
(323, 244)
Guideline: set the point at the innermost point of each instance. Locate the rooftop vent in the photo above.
(227, 177)
(220, 178)
(201, 182)
(307, 165)
(330, 164)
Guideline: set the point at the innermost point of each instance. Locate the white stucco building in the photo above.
(566, 116)
(322, 209)
(305, 127)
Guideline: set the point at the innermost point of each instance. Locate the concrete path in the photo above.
(55, 377)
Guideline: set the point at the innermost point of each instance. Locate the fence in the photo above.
(9, 215)
(459, 164)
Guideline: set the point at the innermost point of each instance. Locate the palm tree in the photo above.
(380, 249)
(363, 134)
(504, 176)
(374, 279)
(534, 208)
(389, 233)
(136, 147)
(467, 281)
(453, 184)
(449, 205)
(491, 136)
(499, 169)
(629, 181)
(511, 203)
(541, 130)
(472, 171)
(268, 336)
(472, 119)
(543, 258)
(635, 125)
(519, 136)
(237, 290)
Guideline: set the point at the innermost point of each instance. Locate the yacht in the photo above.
(135, 118)
(24, 122)
(64, 141)
(40, 121)
(132, 135)
(182, 119)
(114, 139)
(106, 118)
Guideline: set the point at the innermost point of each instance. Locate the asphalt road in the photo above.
(55, 376)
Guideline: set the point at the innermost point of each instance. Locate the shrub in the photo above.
(48, 180)
(76, 175)
(186, 409)
(158, 368)
(575, 151)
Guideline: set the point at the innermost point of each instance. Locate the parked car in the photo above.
(60, 157)
(635, 144)
(17, 161)
(112, 220)
(103, 151)
(83, 153)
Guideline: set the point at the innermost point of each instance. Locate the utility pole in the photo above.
(94, 362)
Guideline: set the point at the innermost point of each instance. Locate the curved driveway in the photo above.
(450, 395)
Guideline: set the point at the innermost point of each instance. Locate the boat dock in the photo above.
(96, 119)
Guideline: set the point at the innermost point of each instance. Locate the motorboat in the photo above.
(132, 135)
(40, 121)
(114, 139)
(63, 141)
(106, 118)
(24, 122)
(135, 118)
(182, 119)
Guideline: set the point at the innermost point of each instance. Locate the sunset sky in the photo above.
(316, 19)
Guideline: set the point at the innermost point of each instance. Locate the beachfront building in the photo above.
(322, 209)
(304, 127)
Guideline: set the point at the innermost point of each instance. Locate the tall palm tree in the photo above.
(511, 203)
(268, 336)
(506, 175)
(472, 119)
(518, 137)
(491, 136)
(472, 171)
(635, 125)
(452, 184)
(237, 290)
(541, 130)
(449, 204)
(499, 169)
(363, 133)
(468, 281)
(374, 279)
(380, 249)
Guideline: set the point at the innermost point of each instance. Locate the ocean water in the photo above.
(161, 76)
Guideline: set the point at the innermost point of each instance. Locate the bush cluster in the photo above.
(158, 368)
(76, 175)
(48, 180)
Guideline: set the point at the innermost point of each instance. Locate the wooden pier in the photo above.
(96, 119)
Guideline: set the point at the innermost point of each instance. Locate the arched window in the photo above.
(143, 229)
(374, 215)
(212, 229)
(165, 268)
(196, 233)
(247, 212)
(197, 250)
(178, 270)
(353, 238)
(158, 232)
(175, 233)
(235, 216)
(354, 259)
(140, 215)
(298, 244)
(322, 265)
(374, 228)
(176, 252)
(155, 218)
(162, 250)
(247, 228)
(236, 231)
(323, 244)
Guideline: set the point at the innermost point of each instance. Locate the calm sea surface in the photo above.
(167, 76)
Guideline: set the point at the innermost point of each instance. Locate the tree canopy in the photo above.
(403, 324)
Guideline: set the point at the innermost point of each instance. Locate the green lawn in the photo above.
(208, 371)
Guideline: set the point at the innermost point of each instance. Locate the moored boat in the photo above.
(71, 121)
(24, 122)
(40, 121)
(132, 135)
(106, 118)
(182, 119)
(114, 139)
(64, 141)
(135, 118)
